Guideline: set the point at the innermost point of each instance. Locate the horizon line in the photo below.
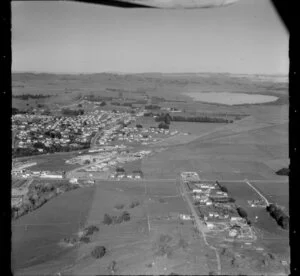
(140, 73)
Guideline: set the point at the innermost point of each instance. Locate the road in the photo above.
(267, 202)
(200, 226)
(95, 138)
(70, 173)
(243, 180)
(13, 138)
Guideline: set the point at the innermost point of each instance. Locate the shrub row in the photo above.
(107, 220)
(281, 218)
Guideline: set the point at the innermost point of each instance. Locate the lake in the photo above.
(229, 98)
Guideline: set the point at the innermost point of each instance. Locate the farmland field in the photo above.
(252, 148)
(53, 162)
(43, 229)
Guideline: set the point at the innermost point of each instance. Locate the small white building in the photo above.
(210, 225)
(74, 180)
(185, 217)
(54, 176)
(233, 233)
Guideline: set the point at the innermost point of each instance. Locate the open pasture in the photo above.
(160, 188)
(35, 236)
(277, 192)
(54, 162)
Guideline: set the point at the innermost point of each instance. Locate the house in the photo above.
(74, 180)
(185, 217)
(233, 233)
(210, 225)
(235, 219)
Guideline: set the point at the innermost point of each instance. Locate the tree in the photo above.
(284, 222)
(120, 169)
(98, 252)
(163, 126)
(107, 219)
(283, 171)
(224, 189)
(39, 145)
(167, 119)
(125, 216)
(103, 103)
(242, 212)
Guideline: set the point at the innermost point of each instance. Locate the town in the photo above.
(217, 211)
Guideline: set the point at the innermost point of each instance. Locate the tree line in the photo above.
(21, 152)
(281, 218)
(15, 111)
(72, 112)
(283, 171)
(31, 96)
(197, 119)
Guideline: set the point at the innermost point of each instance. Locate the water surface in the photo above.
(230, 98)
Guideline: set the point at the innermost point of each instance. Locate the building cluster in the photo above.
(142, 135)
(25, 173)
(135, 174)
(257, 203)
(215, 208)
(95, 164)
(120, 134)
(21, 170)
(42, 132)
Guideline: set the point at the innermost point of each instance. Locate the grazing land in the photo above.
(134, 168)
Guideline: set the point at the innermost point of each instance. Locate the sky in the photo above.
(66, 37)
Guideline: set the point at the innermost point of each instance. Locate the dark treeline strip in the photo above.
(31, 96)
(71, 112)
(281, 218)
(152, 107)
(15, 111)
(94, 98)
(22, 152)
(199, 119)
(283, 171)
(222, 187)
(243, 214)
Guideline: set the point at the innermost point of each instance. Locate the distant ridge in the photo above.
(255, 77)
(151, 73)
